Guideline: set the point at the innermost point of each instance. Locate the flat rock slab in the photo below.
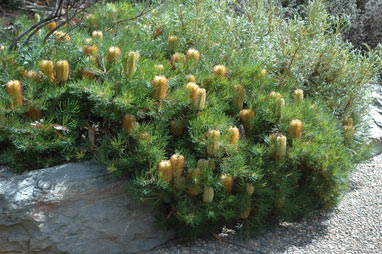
(73, 208)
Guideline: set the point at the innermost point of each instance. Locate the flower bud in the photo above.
(250, 189)
(35, 113)
(246, 118)
(61, 36)
(15, 93)
(165, 172)
(88, 41)
(113, 53)
(177, 58)
(220, 70)
(160, 88)
(128, 123)
(275, 95)
(246, 213)
(279, 108)
(203, 164)
(213, 137)
(37, 17)
(298, 96)
(278, 146)
(238, 98)
(190, 78)
(176, 127)
(193, 54)
(32, 75)
(97, 35)
(62, 71)
(194, 176)
(234, 135)
(47, 68)
(264, 72)
(208, 194)
(131, 62)
(227, 181)
(159, 68)
(348, 121)
(199, 100)
(295, 129)
(51, 26)
(145, 136)
(88, 74)
(172, 43)
(90, 50)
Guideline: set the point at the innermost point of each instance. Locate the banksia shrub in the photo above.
(15, 93)
(161, 135)
(47, 68)
(295, 129)
(213, 138)
(128, 123)
(62, 71)
(160, 88)
(113, 54)
(131, 63)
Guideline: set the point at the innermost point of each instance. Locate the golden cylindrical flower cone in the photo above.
(52, 25)
(193, 88)
(47, 68)
(97, 35)
(213, 142)
(165, 172)
(238, 98)
(227, 181)
(246, 118)
(298, 96)
(220, 70)
(128, 123)
(62, 71)
(208, 194)
(234, 135)
(172, 43)
(193, 54)
(250, 189)
(278, 146)
(15, 93)
(190, 78)
(160, 88)
(295, 129)
(113, 53)
(131, 62)
(199, 100)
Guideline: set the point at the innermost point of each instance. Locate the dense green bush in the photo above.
(123, 115)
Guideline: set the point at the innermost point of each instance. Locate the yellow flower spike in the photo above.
(113, 54)
(15, 93)
(208, 194)
(199, 100)
(62, 71)
(213, 138)
(295, 129)
(128, 123)
(131, 62)
(238, 98)
(160, 88)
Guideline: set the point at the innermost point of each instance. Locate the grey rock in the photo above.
(73, 208)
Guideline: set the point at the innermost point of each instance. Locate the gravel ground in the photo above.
(355, 226)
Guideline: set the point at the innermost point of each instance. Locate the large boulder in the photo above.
(73, 208)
